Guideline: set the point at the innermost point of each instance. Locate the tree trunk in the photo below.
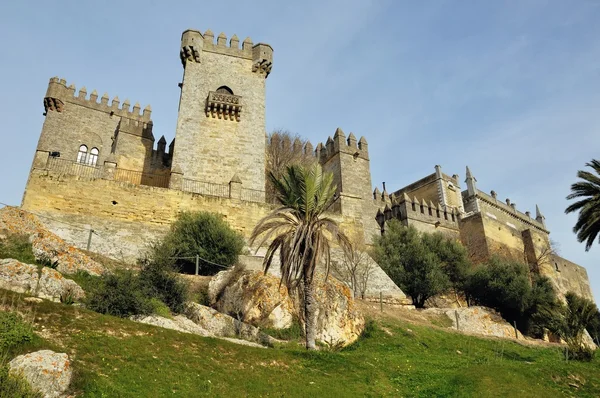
(310, 306)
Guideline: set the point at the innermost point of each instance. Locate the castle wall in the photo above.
(570, 277)
(214, 148)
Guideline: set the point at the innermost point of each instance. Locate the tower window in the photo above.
(82, 154)
(93, 157)
(224, 90)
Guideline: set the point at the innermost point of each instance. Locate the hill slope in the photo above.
(120, 358)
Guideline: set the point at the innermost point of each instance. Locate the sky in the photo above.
(509, 88)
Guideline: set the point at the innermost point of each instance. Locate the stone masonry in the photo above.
(97, 165)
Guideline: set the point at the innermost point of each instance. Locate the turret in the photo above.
(192, 42)
(262, 57)
(539, 217)
(471, 183)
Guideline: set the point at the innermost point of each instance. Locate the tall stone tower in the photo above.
(221, 123)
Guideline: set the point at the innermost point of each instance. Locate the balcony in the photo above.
(224, 106)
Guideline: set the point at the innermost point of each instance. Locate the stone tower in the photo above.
(221, 123)
(348, 160)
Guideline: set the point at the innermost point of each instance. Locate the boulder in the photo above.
(478, 320)
(17, 276)
(53, 286)
(339, 322)
(222, 325)
(258, 299)
(182, 324)
(252, 297)
(46, 371)
(47, 283)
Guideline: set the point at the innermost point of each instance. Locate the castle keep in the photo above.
(97, 166)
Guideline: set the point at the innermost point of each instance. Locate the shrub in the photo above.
(594, 328)
(159, 281)
(579, 314)
(408, 258)
(543, 310)
(13, 331)
(119, 294)
(18, 247)
(500, 284)
(204, 234)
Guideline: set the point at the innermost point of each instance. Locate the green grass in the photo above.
(18, 247)
(115, 357)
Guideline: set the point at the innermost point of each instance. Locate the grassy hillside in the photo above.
(118, 358)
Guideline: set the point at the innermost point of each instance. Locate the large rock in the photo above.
(339, 322)
(18, 277)
(478, 320)
(252, 297)
(258, 299)
(45, 283)
(223, 325)
(46, 245)
(53, 286)
(182, 324)
(46, 371)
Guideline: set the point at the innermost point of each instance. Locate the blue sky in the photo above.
(510, 88)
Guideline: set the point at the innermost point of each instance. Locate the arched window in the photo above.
(224, 90)
(82, 154)
(93, 158)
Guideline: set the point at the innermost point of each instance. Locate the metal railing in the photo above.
(253, 195)
(205, 188)
(69, 167)
(141, 178)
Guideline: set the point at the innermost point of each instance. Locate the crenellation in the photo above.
(234, 42)
(58, 94)
(222, 40)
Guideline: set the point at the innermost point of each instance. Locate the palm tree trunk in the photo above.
(310, 306)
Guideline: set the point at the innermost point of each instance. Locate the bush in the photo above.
(409, 260)
(204, 234)
(579, 314)
(120, 294)
(13, 331)
(503, 284)
(18, 247)
(159, 281)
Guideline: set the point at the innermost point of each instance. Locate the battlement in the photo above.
(403, 208)
(340, 144)
(59, 93)
(506, 207)
(193, 43)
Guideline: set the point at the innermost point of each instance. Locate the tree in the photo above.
(284, 149)
(300, 233)
(407, 257)
(501, 284)
(579, 315)
(199, 233)
(355, 269)
(588, 222)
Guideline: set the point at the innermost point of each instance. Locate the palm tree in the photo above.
(588, 223)
(300, 232)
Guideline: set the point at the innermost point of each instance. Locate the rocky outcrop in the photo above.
(259, 299)
(253, 297)
(339, 322)
(45, 283)
(182, 324)
(223, 325)
(47, 246)
(478, 320)
(46, 371)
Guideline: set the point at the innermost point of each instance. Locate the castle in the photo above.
(97, 167)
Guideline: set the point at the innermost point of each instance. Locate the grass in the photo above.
(116, 357)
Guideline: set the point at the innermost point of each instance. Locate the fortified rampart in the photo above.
(96, 164)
